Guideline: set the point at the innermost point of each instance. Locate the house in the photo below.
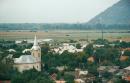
(18, 42)
(61, 68)
(110, 69)
(67, 47)
(126, 74)
(5, 81)
(26, 50)
(47, 40)
(84, 46)
(91, 59)
(12, 50)
(27, 62)
(126, 71)
(127, 78)
(98, 45)
(60, 81)
(79, 81)
(80, 73)
(83, 76)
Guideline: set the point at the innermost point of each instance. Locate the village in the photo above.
(64, 41)
(83, 61)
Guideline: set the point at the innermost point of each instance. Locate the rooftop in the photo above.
(25, 59)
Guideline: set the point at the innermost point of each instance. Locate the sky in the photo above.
(51, 11)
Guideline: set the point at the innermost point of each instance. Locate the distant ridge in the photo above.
(119, 13)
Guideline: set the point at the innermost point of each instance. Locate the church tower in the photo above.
(36, 52)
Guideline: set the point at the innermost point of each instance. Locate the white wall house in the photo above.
(67, 47)
(27, 62)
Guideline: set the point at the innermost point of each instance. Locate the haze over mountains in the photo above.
(119, 13)
(115, 17)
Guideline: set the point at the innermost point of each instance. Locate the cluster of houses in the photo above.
(40, 41)
(68, 47)
(27, 62)
(82, 76)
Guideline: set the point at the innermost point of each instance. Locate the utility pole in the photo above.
(87, 37)
(99, 75)
(102, 31)
(102, 34)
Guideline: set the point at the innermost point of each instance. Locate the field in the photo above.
(62, 35)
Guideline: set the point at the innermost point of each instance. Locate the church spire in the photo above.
(35, 41)
(35, 44)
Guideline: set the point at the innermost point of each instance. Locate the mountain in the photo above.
(115, 17)
(119, 13)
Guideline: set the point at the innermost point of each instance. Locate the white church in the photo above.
(27, 62)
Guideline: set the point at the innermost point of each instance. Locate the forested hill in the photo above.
(119, 13)
(59, 26)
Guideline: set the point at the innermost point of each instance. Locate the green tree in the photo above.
(5, 71)
(78, 46)
(45, 49)
(89, 49)
(127, 53)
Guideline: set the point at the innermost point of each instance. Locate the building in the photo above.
(26, 50)
(27, 62)
(91, 59)
(98, 45)
(60, 81)
(126, 74)
(79, 81)
(83, 76)
(126, 71)
(80, 73)
(61, 68)
(11, 50)
(67, 47)
(5, 81)
(110, 69)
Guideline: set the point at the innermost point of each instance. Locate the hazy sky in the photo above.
(51, 11)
